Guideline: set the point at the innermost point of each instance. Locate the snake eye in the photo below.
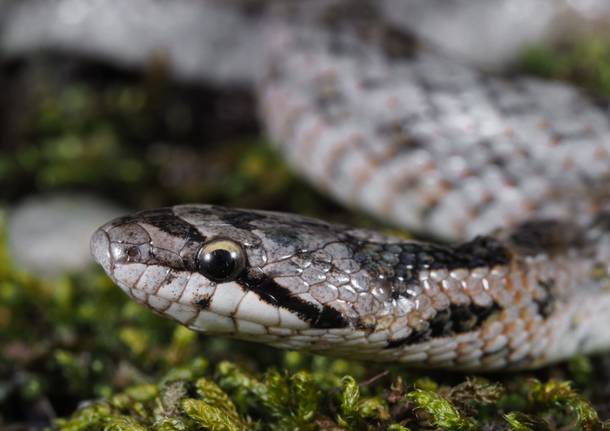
(221, 260)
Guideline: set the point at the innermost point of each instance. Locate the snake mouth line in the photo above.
(235, 303)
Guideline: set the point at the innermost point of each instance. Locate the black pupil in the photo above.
(219, 264)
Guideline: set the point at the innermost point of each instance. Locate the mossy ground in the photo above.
(76, 347)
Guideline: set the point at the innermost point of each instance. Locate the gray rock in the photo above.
(202, 40)
(490, 33)
(49, 235)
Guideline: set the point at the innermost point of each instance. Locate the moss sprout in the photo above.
(442, 413)
(585, 61)
(211, 417)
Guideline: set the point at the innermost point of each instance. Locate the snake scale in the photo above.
(512, 173)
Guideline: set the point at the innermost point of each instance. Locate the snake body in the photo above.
(518, 164)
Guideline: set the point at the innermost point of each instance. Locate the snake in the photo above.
(509, 174)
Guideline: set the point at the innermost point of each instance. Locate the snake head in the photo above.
(248, 274)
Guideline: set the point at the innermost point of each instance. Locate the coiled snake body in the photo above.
(425, 141)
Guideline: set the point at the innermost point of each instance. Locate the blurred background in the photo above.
(109, 106)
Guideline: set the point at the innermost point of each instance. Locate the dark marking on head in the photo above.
(121, 220)
(165, 220)
(231, 216)
(456, 319)
(284, 235)
(272, 293)
(237, 218)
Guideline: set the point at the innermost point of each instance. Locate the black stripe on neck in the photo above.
(272, 293)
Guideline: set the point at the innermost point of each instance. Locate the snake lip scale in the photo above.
(513, 172)
(518, 298)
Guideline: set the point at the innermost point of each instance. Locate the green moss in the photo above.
(523, 422)
(559, 395)
(349, 402)
(232, 399)
(442, 412)
(211, 417)
(585, 61)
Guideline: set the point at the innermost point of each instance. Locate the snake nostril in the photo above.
(132, 253)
